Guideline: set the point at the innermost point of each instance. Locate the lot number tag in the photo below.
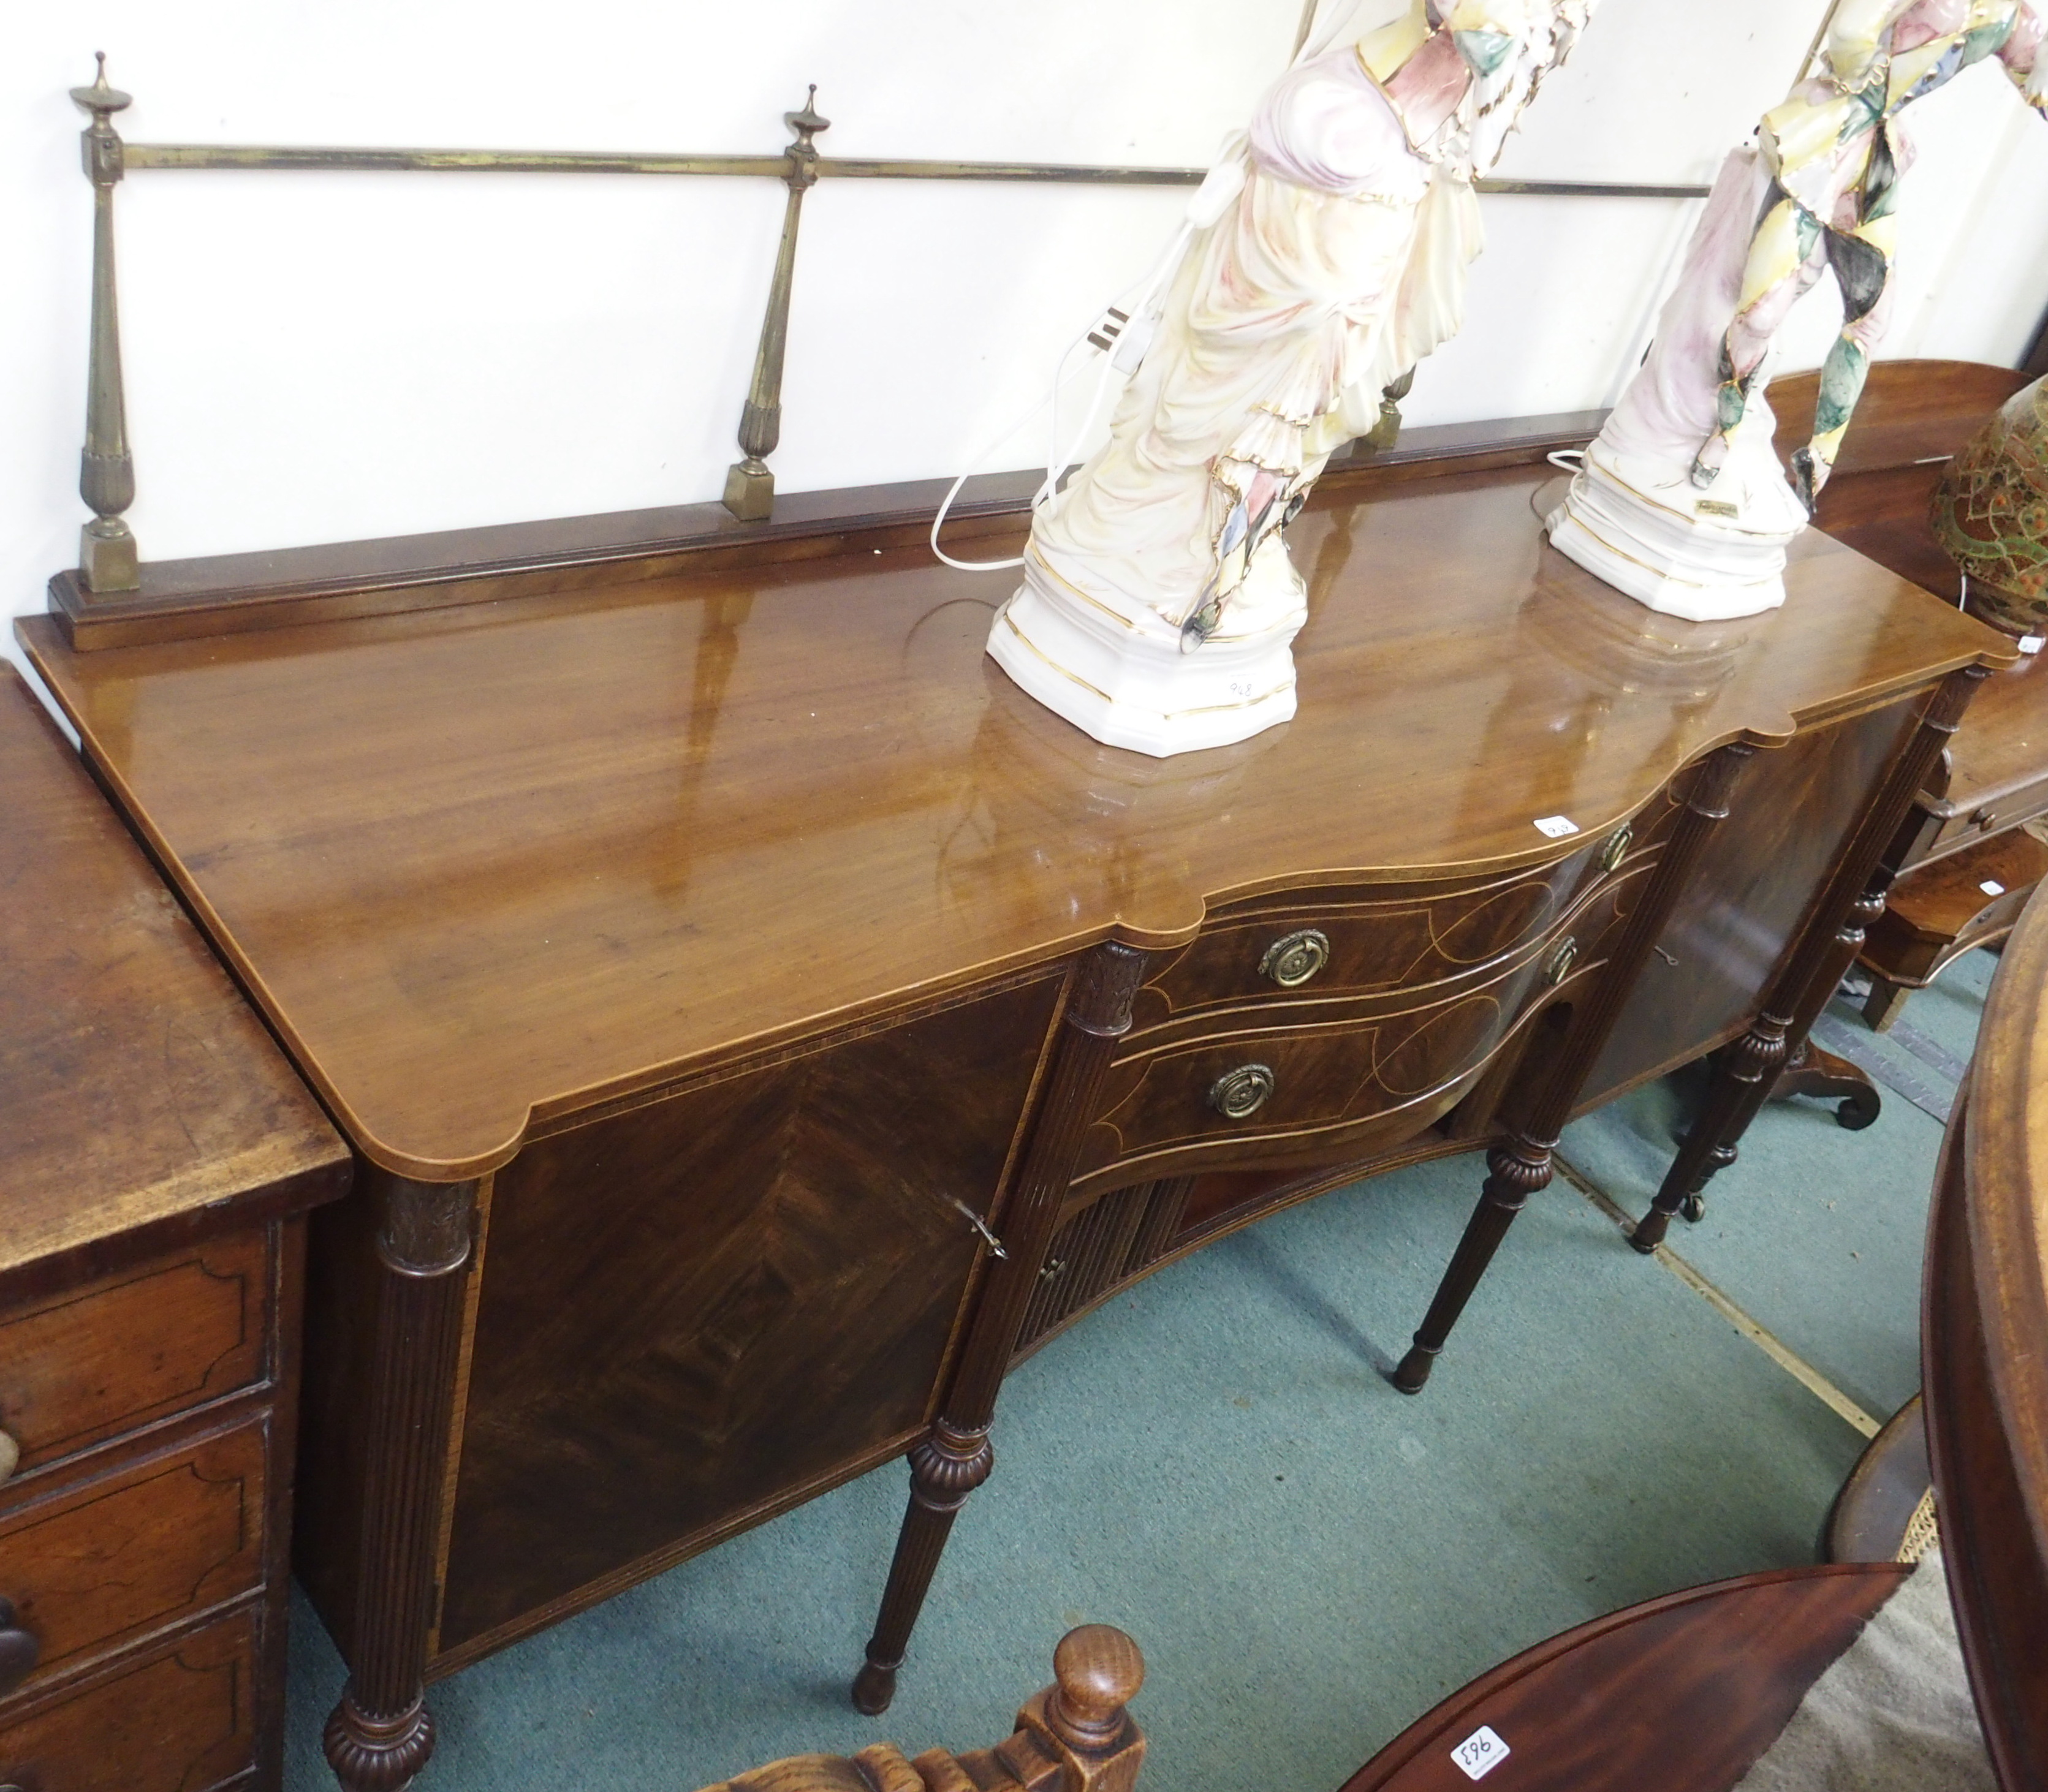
(1556, 827)
(1480, 1752)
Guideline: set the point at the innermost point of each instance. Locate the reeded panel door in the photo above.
(693, 1310)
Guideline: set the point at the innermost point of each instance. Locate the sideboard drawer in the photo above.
(1356, 941)
(1251, 1083)
(102, 1359)
(179, 1718)
(133, 1551)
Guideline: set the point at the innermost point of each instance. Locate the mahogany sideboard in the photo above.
(759, 1022)
(158, 1156)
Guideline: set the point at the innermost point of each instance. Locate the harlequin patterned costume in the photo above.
(1836, 150)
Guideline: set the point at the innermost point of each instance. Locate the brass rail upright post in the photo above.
(107, 558)
(750, 486)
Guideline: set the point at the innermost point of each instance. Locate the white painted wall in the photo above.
(320, 357)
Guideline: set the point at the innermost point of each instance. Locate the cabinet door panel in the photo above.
(694, 1310)
(1790, 817)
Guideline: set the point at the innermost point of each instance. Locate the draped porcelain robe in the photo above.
(1329, 256)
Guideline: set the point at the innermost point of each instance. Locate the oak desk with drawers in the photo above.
(157, 1159)
(762, 1021)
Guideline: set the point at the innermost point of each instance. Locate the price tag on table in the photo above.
(1480, 1752)
(1991, 886)
(1556, 827)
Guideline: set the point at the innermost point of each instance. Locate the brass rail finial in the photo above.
(750, 486)
(106, 557)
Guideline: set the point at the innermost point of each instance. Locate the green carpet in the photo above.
(1214, 1462)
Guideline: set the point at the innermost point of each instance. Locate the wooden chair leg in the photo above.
(1075, 1735)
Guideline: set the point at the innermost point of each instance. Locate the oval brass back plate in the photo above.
(1238, 1094)
(1291, 960)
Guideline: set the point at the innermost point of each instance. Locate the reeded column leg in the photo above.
(1516, 1170)
(1742, 1081)
(1853, 899)
(380, 1735)
(1523, 1165)
(957, 1458)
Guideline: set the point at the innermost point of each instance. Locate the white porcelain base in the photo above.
(1642, 529)
(1124, 680)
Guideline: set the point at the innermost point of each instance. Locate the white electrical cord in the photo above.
(1125, 354)
(1124, 336)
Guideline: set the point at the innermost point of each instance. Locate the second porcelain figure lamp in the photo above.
(1324, 257)
(1681, 503)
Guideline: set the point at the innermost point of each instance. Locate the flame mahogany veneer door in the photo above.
(697, 1312)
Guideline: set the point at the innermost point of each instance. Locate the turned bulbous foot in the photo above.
(1414, 1370)
(378, 1754)
(874, 1687)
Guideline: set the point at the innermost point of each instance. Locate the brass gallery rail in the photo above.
(108, 559)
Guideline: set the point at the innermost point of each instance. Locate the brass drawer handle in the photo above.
(1293, 959)
(1239, 1094)
(1561, 961)
(1616, 849)
(18, 1650)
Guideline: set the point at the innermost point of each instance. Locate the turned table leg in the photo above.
(380, 1735)
(956, 1458)
(1744, 1074)
(1516, 1170)
(1523, 1166)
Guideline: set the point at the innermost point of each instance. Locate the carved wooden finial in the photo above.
(1098, 1670)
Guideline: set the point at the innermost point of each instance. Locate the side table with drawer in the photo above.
(157, 1157)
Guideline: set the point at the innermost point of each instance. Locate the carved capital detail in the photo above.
(1714, 783)
(1517, 1170)
(948, 1465)
(1760, 1050)
(1105, 981)
(376, 1754)
(426, 1227)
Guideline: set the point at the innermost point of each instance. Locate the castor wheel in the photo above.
(1693, 1208)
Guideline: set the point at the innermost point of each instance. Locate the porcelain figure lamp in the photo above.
(1681, 502)
(1324, 257)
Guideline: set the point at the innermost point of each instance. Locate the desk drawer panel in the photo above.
(90, 1363)
(160, 1540)
(1353, 942)
(179, 1718)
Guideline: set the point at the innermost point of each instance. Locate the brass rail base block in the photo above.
(749, 491)
(106, 557)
